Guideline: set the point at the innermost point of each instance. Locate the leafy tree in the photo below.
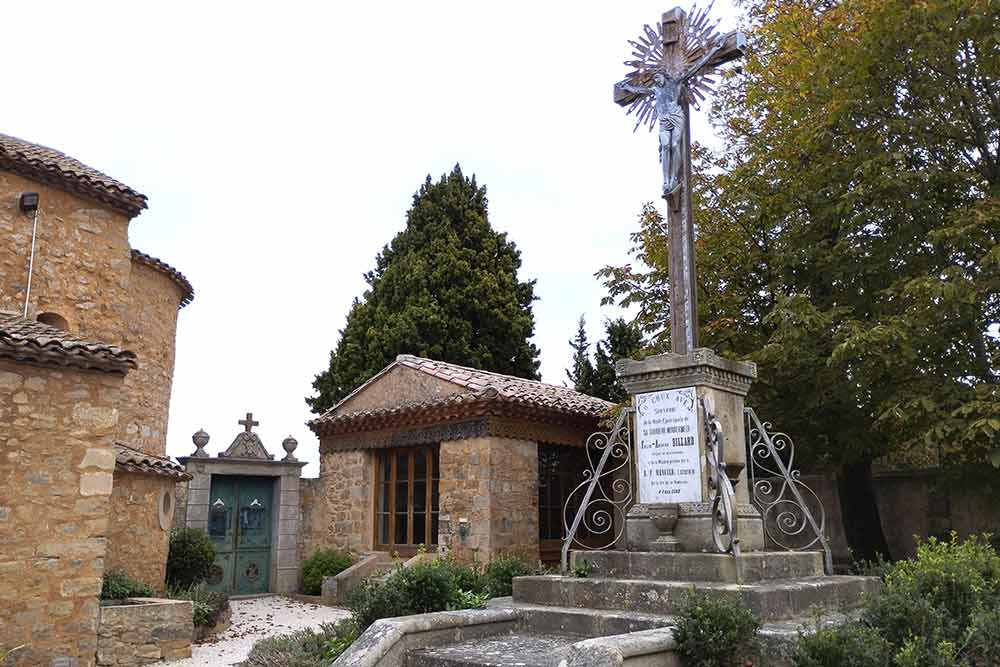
(446, 287)
(623, 340)
(849, 235)
(582, 373)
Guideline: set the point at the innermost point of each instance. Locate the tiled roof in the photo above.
(129, 459)
(484, 388)
(509, 387)
(50, 166)
(171, 272)
(29, 341)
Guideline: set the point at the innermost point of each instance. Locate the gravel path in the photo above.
(253, 619)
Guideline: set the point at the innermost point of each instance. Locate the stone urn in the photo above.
(664, 518)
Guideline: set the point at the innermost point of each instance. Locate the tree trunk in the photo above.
(859, 509)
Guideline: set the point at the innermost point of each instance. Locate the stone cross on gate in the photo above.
(248, 423)
(671, 69)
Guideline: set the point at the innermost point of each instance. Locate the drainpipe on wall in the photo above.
(29, 204)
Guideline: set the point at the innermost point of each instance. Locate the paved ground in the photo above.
(253, 619)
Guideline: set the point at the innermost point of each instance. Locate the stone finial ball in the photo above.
(200, 438)
(290, 444)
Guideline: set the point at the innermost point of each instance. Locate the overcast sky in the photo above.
(280, 145)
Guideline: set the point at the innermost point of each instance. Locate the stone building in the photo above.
(430, 453)
(88, 332)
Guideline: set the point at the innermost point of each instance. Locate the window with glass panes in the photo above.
(406, 513)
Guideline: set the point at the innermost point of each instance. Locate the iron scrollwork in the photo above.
(599, 503)
(780, 494)
(722, 496)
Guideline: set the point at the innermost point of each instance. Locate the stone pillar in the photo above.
(724, 384)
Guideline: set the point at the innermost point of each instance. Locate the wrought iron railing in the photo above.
(605, 494)
(776, 488)
(721, 493)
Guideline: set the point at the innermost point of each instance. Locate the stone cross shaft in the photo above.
(688, 55)
(249, 422)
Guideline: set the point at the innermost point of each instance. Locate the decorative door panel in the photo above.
(239, 523)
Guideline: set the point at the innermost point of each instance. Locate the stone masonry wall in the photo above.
(136, 541)
(493, 483)
(337, 513)
(138, 634)
(56, 466)
(149, 331)
(82, 260)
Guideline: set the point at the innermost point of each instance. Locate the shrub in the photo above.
(933, 599)
(851, 644)
(499, 574)
(323, 563)
(714, 633)
(190, 558)
(303, 648)
(208, 605)
(466, 577)
(117, 585)
(374, 599)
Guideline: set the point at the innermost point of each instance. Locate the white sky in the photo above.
(280, 145)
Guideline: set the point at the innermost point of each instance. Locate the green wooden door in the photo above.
(239, 523)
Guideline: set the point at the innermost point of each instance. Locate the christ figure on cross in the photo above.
(670, 95)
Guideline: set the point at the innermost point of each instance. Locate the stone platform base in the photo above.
(752, 567)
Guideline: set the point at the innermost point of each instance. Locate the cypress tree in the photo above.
(446, 288)
(582, 373)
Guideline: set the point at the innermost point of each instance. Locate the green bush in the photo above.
(851, 644)
(190, 558)
(117, 585)
(303, 648)
(931, 601)
(499, 574)
(466, 577)
(323, 563)
(715, 633)
(208, 605)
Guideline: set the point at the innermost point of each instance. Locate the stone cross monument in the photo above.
(672, 392)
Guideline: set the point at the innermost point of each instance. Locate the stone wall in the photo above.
(56, 466)
(82, 259)
(337, 508)
(493, 483)
(137, 540)
(138, 634)
(149, 331)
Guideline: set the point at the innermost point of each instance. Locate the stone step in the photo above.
(772, 600)
(581, 621)
(518, 649)
(754, 566)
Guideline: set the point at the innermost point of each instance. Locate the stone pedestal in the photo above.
(724, 384)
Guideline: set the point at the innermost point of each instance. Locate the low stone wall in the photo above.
(145, 631)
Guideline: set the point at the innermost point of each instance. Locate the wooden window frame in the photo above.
(432, 478)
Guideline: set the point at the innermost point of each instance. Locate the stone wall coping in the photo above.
(139, 603)
(383, 635)
(618, 649)
(272, 468)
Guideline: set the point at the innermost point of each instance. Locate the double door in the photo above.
(239, 523)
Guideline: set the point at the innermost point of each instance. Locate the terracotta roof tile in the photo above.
(129, 459)
(171, 272)
(29, 341)
(48, 165)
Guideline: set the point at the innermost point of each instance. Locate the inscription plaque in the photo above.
(668, 461)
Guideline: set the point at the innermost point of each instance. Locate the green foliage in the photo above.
(582, 569)
(850, 644)
(598, 377)
(323, 563)
(118, 585)
(499, 573)
(190, 558)
(303, 648)
(715, 632)
(930, 603)
(439, 585)
(208, 605)
(446, 287)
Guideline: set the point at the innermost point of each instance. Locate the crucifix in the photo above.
(249, 422)
(671, 71)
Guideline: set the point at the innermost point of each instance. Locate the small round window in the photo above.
(166, 508)
(54, 320)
